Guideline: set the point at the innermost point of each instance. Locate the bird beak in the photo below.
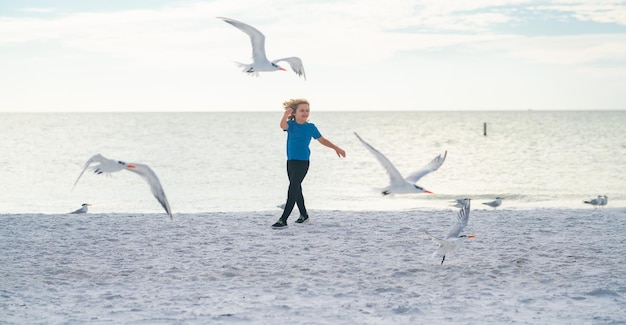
(429, 192)
(471, 236)
(131, 166)
(279, 68)
(89, 204)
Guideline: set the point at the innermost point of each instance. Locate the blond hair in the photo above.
(293, 104)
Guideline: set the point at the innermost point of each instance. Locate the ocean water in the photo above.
(212, 162)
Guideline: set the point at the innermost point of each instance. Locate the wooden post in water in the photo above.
(485, 129)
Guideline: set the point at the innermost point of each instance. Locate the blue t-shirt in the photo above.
(298, 139)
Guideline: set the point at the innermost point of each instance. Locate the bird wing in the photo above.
(430, 167)
(459, 203)
(155, 185)
(256, 38)
(296, 65)
(445, 245)
(435, 239)
(94, 159)
(460, 221)
(394, 174)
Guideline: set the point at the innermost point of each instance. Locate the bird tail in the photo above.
(247, 68)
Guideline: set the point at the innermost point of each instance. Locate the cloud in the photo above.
(332, 31)
(603, 11)
(37, 10)
(183, 55)
(567, 50)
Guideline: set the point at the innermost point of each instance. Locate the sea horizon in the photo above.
(229, 161)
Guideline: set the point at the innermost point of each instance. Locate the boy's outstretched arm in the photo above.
(340, 152)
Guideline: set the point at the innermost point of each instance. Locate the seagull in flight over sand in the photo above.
(595, 202)
(259, 60)
(107, 166)
(454, 238)
(83, 209)
(495, 203)
(398, 184)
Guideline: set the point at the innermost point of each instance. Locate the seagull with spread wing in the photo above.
(259, 60)
(107, 166)
(398, 184)
(459, 203)
(454, 238)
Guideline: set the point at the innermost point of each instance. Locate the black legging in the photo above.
(296, 171)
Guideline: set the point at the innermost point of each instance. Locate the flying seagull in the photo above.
(107, 166)
(454, 238)
(459, 203)
(398, 184)
(259, 60)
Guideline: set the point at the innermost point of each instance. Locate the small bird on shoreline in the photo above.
(83, 209)
(604, 201)
(495, 203)
(597, 202)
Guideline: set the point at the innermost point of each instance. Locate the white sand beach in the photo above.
(536, 266)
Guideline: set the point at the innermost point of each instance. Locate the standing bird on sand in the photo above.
(398, 184)
(495, 203)
(108, 166)
(604, 201)
(259, 60)
(83, 209)
(454, 238)
(595, 202)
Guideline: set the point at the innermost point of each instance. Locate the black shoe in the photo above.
(303, 219)
(280, 224)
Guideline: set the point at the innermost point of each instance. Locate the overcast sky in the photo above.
(154, 55)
